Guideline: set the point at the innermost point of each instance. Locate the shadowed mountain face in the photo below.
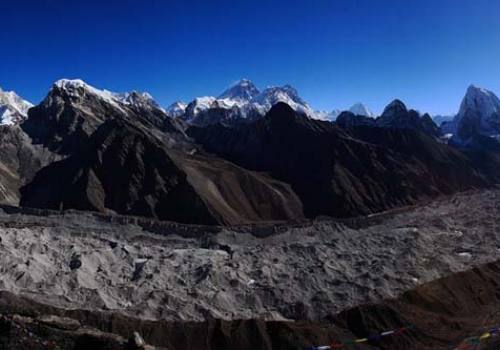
(70, 113)
(91, 149)
(339, 173)
(395, 116)
(122, 170)
(479, 115)
(126, 171)
(19, 162)
(132, 159)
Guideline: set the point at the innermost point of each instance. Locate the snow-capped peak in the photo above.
(75, 87)
(360, 109)
(325, 115)
(70, 84)
(287, 94)
(243, 91)
(176, 109)
(13, 108)
(137, 99)
(202, 103)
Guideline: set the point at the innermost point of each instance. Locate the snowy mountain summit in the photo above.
(287, 94)
(361, 109)
(13, 109)
(242, 92)
(77, 88)
(176, 109)
(240, 102)
(479, 114)
(357, 109)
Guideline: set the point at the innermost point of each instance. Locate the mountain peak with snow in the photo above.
(360, 109)
(176, 109)
(79, 88)
(70, 83)
(479, 114)
(243, 91)
(13, 109)
(287, 94)
(137, 99)
(241, 101)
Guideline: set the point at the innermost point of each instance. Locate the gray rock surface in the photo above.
(275, 272)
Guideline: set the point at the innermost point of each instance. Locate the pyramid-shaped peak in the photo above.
(395, 107)
(243, 90)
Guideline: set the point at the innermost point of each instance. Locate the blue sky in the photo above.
(335, 52)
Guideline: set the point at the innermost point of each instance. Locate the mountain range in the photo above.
(246, 156)
(245, 102)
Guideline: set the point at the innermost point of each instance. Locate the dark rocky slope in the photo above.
(395, 116)
(129, 157)
(135, 160)
(19, 162)
(122, 170)
(341, 173)
(69, 115)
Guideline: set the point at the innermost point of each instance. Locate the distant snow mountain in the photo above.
(138, 99)
(13, 109)
(357, 109)
(242, 92)
(440, 119)
(325, 115)
(287, 94)
(242, 101)
(176, 109)
(361, 109)
(479, 114)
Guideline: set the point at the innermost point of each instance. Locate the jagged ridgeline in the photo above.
(243, 157)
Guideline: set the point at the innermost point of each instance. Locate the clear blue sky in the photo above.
(335, 52)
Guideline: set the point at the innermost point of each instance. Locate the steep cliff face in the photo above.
(479, 115)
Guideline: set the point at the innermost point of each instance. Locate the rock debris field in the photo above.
(302, 272)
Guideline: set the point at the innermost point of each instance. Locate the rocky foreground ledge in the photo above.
(251, 287)
(443, 314)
